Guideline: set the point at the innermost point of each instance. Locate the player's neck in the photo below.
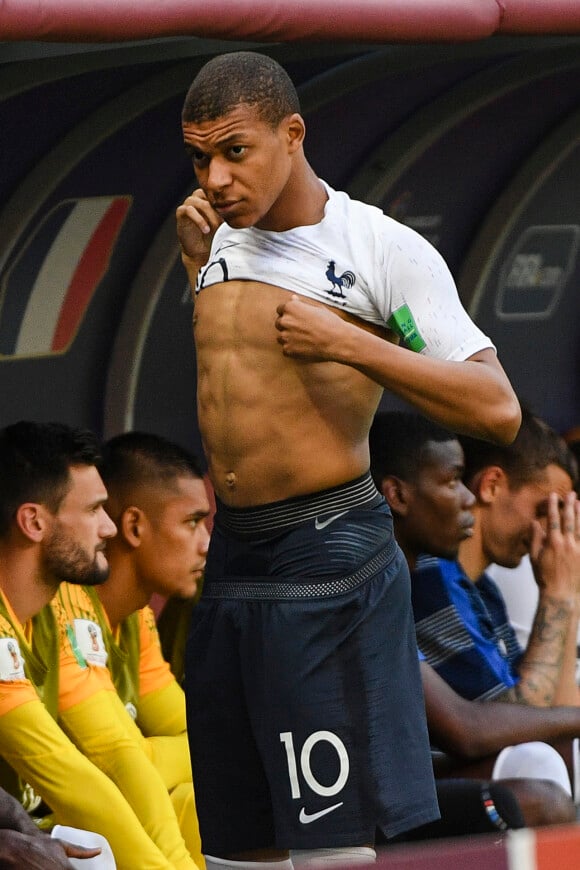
(121, 595)
(23, 583)
(300, 204)
(408, 552)
(472, 555)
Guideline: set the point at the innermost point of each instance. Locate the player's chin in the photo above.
(450, 552)
(99, 574)
(237, 215)
(511, 560)
(101, 561)
(240, 222)
(185, 590)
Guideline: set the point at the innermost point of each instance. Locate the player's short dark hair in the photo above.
(143, 458)
(535, 447)
(241, 77)
(397, 442)
(35, 463)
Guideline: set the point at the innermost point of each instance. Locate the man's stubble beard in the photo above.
(65, 561)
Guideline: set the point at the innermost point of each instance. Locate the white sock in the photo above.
(323, 859)
(212, 863)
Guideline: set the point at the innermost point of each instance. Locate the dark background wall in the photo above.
(476, 146)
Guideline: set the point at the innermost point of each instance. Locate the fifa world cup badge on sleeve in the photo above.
(11, 661)
(89, 641)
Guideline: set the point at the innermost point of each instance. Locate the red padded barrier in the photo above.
(558, 848)
(540, 16)
(555, 848)
(370, 21)
(485, 851)
(258, 20)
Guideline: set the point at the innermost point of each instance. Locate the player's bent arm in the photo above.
(473, 397)
(547, 657)
(161, 713)
(555, 559)
(161, 709)
(98, 723)
(102, 729)
(170, 757)
(567, 691)
(474, 729)
(79, 794)
(161, 705)
(547, 668)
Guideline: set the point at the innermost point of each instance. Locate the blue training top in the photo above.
(463, 629)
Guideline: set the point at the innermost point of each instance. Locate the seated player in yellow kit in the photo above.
(109, 643)
(54, 528)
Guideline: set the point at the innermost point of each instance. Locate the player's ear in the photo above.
(295, 130)
(397, 493)
(487, 483)
(31, 520)
(131, 525)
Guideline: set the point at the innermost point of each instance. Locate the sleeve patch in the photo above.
(403, 323)
(11, 661)
(89, 642)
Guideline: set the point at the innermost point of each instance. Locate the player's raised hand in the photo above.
(555, 552)
(197, 222)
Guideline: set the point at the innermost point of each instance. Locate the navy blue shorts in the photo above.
(304, 701)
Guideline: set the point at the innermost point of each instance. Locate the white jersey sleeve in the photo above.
(421, 303)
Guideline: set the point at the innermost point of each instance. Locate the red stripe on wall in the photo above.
(89, 272)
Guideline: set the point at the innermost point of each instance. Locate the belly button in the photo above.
(230, 478)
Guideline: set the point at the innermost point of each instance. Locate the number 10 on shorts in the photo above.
(287, 738)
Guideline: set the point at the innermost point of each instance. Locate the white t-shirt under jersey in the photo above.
(358, 259)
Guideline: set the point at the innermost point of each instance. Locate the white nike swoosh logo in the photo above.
(322, 524)
(306, 818)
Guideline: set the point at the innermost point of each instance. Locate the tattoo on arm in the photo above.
(542, 661)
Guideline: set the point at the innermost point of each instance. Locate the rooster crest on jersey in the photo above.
(339, 282)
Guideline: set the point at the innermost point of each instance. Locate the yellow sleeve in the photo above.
(162, 712)
(170, 755)
(154, 671)
(161, 717)
(103, 730)
(15, 687)
(79, 794)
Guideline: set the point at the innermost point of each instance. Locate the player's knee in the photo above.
(533, 760)
(542, 802)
